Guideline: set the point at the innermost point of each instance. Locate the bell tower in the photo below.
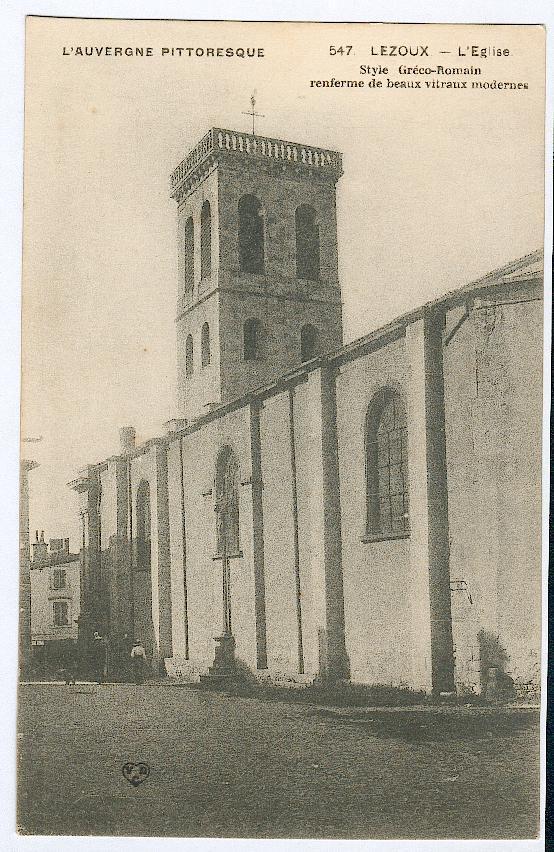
(258, 289)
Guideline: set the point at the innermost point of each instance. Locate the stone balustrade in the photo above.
(261, 147)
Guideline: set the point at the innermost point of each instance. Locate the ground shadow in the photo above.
(436, 726)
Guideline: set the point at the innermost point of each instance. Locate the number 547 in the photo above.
(340, 51)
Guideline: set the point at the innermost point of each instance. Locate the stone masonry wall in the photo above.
(494, 410)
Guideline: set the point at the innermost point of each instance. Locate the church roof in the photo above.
(523, 271)
(526, 269)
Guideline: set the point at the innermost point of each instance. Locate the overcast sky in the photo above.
(438, 189)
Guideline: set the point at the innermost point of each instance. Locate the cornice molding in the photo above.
(277, 156)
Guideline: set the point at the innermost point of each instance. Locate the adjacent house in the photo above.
(55, 604)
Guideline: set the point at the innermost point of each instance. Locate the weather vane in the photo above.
(253, 113)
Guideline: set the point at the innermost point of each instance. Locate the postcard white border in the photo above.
(12, 62)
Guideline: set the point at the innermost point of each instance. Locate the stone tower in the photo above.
(257, 264)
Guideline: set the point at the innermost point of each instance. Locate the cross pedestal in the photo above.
(224, 664)
(224, 660)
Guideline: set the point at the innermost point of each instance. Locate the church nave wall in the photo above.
(197, 623)
(376, 572)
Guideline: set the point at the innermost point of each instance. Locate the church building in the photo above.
(368, 512)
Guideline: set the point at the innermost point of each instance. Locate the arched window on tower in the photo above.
(144, 524)
(189, 356)
(189, 256)
(386, 459)
(307, 243)
(227, 482)
(206, 240)
(251, 235)
(252, 340)
(308, 342)
(205, 344)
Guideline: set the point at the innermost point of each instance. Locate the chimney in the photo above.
(40, 551)
(127, 436)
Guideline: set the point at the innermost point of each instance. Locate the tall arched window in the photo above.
(251, 235)
(189, 356)
(205, 344)
(227, 483)
(144, 525)
(387, 465)
(206, 240)
(307, 243)
(252, 339)
(308, 342)
(189, 255)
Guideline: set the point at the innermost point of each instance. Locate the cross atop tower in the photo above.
(253, 113)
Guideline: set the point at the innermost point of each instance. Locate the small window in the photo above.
(205, 344)
(387, 465)
(189, 356)
(251, 235)
(61, 615)
(252, 339)
(206, 241)
(308, 342)
(58, 578)
(307, 243)
(189, 255)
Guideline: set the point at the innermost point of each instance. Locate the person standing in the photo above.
(138, 660)
(99, 657)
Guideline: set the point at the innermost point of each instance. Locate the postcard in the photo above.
(282, 419)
